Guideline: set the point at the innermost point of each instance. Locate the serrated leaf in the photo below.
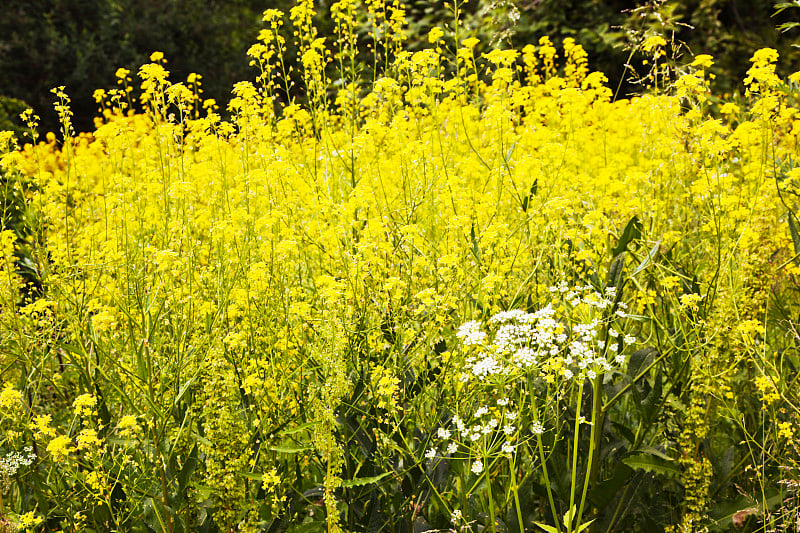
(653, 464)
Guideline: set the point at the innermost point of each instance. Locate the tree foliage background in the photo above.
(80, 43)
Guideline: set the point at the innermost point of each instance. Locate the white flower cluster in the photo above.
(491, 426)
(11, 463)
(520, 341)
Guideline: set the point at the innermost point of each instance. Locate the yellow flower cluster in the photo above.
(224, 280)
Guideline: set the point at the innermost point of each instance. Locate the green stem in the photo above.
(489, 492)
(575, 453)
(594, 448)
(515, 489)
(547, 481)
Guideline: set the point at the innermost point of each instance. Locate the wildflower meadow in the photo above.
(458, 289)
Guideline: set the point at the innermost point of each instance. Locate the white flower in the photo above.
(481, 411)
(470, 333)
(475, 436)
(511, 416)
(430, 454)
(537, 428)
(508, 448)
(477, 466)
(629, 339)
(502, 402)
(456, 516)
(452, 448)
(591, 374)
(443, 434)
(620, 359)
(508, 429)
(568, 373)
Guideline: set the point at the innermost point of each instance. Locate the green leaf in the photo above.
(568, 516)
(656, 465)
(640, 359)
(632, 231)
(160, 518)
(605, 492)
(290, 449)
(549, 529)
(615, 271)
(361, 481)
(794, 232)
(475, 249)
(527, 200)
(648, 258)
(186, 472)
(299, 428)
(584, 526)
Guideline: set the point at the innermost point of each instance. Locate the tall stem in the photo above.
(594, 448)
(547, 479)
(573, 473)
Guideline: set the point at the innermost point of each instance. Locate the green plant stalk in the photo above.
(547, 482)
(489, 492)
(515, 490)
(594, 448)
(575, 453)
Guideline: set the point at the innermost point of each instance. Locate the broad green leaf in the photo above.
(290, 449)
(549, 529)
(361, 481)
(615, 271)
(632, 231)
(640, 359)
(656, 465)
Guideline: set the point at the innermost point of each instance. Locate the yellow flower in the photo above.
(41, 425)
(653, 42)
(10, 398)
(29, 520)
(703, 60)
(785, 430)
(60, 447)
(87, 439)
(84, 405)
(156, 56)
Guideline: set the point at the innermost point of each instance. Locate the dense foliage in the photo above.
(471, 293)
